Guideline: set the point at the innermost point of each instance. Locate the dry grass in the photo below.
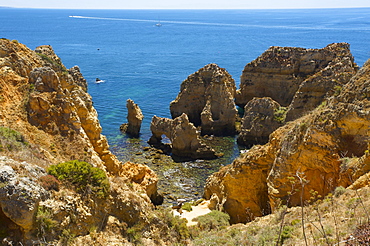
(334, 220)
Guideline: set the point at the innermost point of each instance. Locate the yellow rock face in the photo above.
(328, 147)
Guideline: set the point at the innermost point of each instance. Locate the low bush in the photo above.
(187, 207)
(280, 114)
(49, 182)
(45, 222)
(11, 139)
(85, 177)
(213, 220)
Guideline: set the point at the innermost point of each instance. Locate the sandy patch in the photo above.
(199, 210)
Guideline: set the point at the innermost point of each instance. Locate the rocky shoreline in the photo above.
(306, 121)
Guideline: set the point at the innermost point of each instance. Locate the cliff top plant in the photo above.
(82, 175)
(280, 114)
(11, 139)
(213, 220)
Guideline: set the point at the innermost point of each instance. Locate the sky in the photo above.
(184, 4)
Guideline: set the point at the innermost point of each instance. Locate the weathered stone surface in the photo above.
(20, 194)
(261, 118)
(50, 106)
(279, 71)
(207, 97)
(183, 135)
(145, 178)
(323, 84)
(134, 118)
(312, 149)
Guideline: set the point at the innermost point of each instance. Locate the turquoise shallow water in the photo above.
(147, 64)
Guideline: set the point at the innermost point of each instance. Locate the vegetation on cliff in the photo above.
(83, 176)
(47, 120)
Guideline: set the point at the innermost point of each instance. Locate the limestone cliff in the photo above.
(49, 107)
(328, 147)
(279, 71)
(261, 117)
(207, 97)
(298, 79)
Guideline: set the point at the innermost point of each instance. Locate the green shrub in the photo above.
(83, 176)
(52, 62)
(44, 221)
(11, 139)
(337, 90)
(134, 233)
(280, 114)
(66, 238)
(286, 233)
(187, 206)
(213, 220)
(339, 191)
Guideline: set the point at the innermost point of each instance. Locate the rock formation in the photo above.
(323, 84)
(49, 106)
(261, 117)
(299, 79)
(184, 137)
(326, 148)
(207, 97)
(134, 118)
(20, 196)
(279, 71)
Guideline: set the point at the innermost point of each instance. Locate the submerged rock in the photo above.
(207, 97)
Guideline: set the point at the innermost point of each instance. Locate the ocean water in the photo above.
(146, 63)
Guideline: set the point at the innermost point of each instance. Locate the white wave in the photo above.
(322, 27)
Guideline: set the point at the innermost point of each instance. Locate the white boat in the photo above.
(98, 81)
(159, 23)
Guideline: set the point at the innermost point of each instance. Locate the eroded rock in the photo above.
(134, 118)
(207, 97)
(20, 193)
(184, 137)
(261, 118)
(279, 71)
(309, 153)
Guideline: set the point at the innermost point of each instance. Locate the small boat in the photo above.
(159, 23)
(98, 81)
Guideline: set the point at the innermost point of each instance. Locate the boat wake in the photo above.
(320, 27)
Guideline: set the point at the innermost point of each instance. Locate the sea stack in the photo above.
(207, 97)
(134, 118)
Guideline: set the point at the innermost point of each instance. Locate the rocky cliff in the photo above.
(207, 97)
(261, 117)
(47, 117)
(298, 79)
(326, 148)
(279, 71)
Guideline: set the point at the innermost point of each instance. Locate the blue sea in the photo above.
(146, 63)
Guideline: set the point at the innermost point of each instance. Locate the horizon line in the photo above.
(183, 8)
